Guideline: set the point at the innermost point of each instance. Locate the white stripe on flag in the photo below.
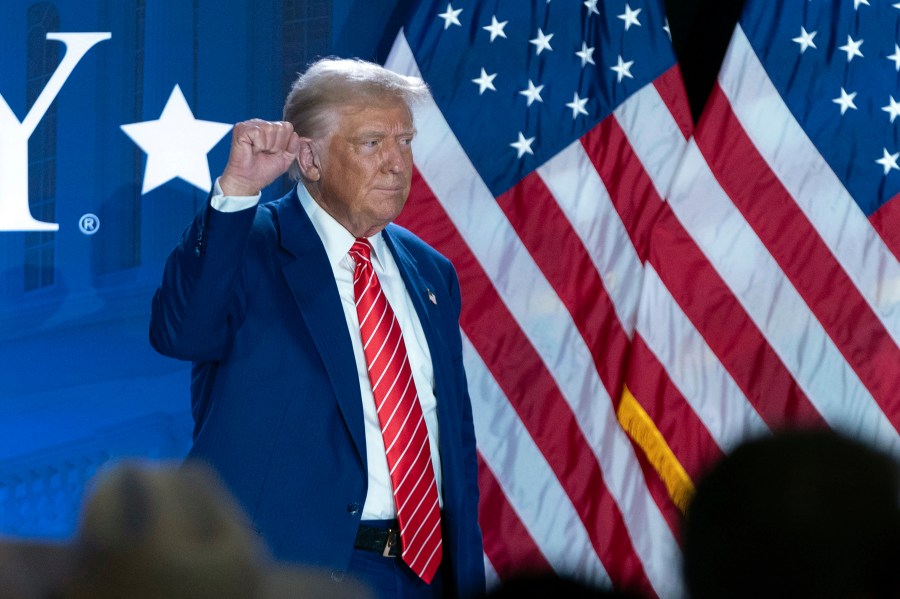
(692, 367)
(526, 479)
(577, 188)
(653, 134)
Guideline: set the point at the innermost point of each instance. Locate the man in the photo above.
(334, 416)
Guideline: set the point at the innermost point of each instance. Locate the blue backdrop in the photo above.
(79, 383)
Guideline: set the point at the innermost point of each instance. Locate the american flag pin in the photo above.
(431, 296)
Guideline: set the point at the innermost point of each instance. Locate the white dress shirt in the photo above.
(379, 504)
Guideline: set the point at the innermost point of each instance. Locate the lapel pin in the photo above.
(431, 296)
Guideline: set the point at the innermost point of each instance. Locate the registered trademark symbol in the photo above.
(89, 224)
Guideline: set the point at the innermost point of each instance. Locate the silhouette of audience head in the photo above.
(799, 514)
(164, 532)
(159, 532)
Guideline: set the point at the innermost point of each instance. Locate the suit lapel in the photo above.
(311, 280)
(419, 288)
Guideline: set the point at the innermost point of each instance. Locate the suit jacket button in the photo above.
(353, 508)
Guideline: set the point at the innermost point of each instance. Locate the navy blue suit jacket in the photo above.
(250, 298)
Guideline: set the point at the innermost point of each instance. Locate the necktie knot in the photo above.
(361, 250)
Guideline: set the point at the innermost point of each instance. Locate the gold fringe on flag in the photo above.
(641, 428)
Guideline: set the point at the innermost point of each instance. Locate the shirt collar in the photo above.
(335, 237)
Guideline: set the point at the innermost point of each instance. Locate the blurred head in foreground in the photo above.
(158, 532)
(798, 514)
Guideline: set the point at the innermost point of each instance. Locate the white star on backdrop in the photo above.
(622, 69)
(542, 42)
(630, 17)
(532, 93)
(805, 40)
(496, 28)
(845, 101)
(856, 3)
(522, 145)
(586, 55)
(176, 144)
(592, 7)
(892, 109)
(450, 16)
(577, 106)
(889, 161)
(895, 57)
(485, 82)
(852, 48)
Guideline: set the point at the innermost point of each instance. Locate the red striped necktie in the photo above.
(402, 423)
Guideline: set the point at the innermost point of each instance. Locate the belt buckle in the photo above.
(389, 542)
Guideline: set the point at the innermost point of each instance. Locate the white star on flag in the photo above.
(542, 42)
(176, 144)
(892, 109)
(592, 7)
(585, 54)
(630, 17)
(852, 48)
(895, 57)
(622, 69)
(532, 93)
(496, 28)
(522, 145)
(805, 39)
(845, 101)
(856, 3)
(889, 161)
(577, 106)
(450, 16)
(485, 82)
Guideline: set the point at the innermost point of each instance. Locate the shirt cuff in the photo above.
(223, 203)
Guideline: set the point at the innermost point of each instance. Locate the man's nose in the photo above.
(393, 158)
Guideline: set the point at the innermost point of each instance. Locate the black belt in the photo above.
(385, 541)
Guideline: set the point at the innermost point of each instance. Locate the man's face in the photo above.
(366, 166)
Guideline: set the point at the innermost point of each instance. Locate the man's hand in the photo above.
(261, 151)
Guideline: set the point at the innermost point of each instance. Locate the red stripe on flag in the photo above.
(801, 253)
(675, 419)
(886, 221)
(630, 188)
(670, 86)
(531, 391)
(560, 254)
(514, 551)
(730, 333)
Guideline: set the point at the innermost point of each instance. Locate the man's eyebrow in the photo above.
(380, 133)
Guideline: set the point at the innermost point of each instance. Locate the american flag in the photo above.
(771, 295)
(541, 163)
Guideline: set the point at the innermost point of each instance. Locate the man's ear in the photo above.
(308, 160)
